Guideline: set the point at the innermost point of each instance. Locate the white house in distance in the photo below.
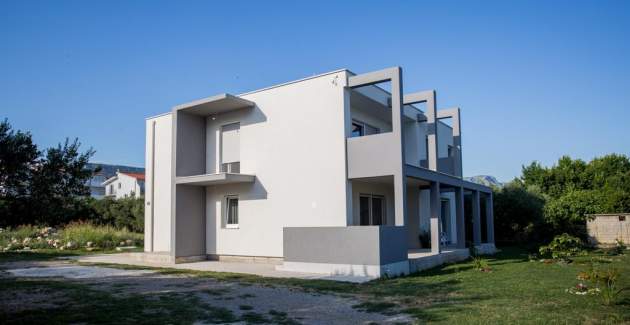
(124, 185)
(331, 174)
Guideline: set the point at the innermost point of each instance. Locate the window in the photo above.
(119, 185)
(360, 129)
(231, 212)
(371, 210)
(233, 167)
(111, 188)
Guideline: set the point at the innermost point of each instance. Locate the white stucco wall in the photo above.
(123, 186)
(294, 142)
(157, 225)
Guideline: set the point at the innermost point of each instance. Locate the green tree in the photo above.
(518, 212)
(41, 187)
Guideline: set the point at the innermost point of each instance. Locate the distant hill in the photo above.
(486, 180)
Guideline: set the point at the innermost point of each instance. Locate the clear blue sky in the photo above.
(535, 80)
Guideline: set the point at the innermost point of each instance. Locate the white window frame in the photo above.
(227, 212)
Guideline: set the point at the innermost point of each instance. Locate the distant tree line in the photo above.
(48, 187)
(547, 201)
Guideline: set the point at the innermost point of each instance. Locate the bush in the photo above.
(518, 212)
(562, 247)
(122, 213)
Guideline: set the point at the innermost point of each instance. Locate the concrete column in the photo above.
(400, 194)
(432, 140)
(435, 207)
(459, 215)
(490, 218)
(457, 143)
(476, 218)
(400, 178)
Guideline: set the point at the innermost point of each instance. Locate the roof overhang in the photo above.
(215, 179)
(214, 105)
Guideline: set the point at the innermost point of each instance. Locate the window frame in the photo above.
(226, 218)
(370, 198)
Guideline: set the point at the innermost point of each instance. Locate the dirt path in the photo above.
(247, 303)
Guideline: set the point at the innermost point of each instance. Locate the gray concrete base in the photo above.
(246, 259)
(370, 271)
(189, 259)
(486, 249)
(151, 257)
(419, 260)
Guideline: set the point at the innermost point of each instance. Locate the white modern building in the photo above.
(124, 185)
(336, 174)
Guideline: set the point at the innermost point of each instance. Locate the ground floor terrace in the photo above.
(397, 228)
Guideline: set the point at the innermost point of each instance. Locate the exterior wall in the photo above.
(358, 251)
(294, 142)
(606, 229)
(157, 212)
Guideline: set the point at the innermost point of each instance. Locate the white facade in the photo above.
(226, 175)
(124, 185)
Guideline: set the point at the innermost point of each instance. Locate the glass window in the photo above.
(357, 129)
(364, 210)
(377, 210)
(360, 129)
(232, 211)
(371, 210)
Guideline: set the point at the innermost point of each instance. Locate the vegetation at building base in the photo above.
(48, 187)
(74, 236)
(549, 201)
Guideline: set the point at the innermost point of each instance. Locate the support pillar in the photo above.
(459, 215)
(435, 217)
(476, 218)
(432, 138)
(490, 218)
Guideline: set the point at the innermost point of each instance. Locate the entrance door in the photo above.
(371, 210)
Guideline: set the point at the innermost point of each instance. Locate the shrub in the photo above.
(121, 213)
(562, 247)
(606, 280)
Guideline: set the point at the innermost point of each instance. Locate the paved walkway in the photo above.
(261, 269)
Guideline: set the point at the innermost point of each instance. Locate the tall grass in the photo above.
(75, 235)
(100, 236)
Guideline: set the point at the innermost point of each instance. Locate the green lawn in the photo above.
(515, 291)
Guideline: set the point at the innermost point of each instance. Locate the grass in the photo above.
(516, 291)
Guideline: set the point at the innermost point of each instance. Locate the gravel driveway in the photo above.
(294, 305)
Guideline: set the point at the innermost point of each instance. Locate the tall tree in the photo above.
(41, 187)
(18, 158)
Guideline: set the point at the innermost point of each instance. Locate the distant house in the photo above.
(124, 185)
(106, 171)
